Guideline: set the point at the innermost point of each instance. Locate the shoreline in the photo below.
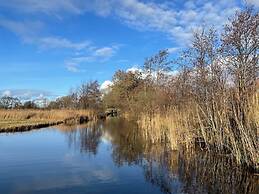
(29, 127)
(20, 120)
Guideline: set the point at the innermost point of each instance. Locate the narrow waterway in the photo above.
(110, 157)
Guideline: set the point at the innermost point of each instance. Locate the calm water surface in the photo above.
(110, 157)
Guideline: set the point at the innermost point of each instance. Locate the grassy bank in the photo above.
(23, 120)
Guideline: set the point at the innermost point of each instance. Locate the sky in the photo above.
(48, 47)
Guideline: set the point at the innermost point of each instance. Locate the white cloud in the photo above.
(7, 93)
(93, 54)
(253, 2)
(101, 7)
(145, 15)
(177, 23)
(105, 52)
(26, 30)
(172, 73)
(72, 67)
(41, 96)
(52, 7)
(84, 51)
(172, 50)
(30, 32)
(134, 69)
(58, 42)
(105, 85)
(26, 94)
(83, 59)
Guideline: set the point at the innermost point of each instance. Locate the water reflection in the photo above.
(86, 138)
(172, 172)
(205, 173)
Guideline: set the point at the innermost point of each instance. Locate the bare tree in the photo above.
(89, 95)
(156, 67)
(240, 46)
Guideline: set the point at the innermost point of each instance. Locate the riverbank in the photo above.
(25, 120)
(216, 134)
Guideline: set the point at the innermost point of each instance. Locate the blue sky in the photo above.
(49, 46)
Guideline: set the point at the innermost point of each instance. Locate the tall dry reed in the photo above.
(170, 127)
(219, 130)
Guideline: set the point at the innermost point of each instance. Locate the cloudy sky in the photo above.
(49, 46)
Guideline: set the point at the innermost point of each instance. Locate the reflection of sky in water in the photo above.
(41, 161)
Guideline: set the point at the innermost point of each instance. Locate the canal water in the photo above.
(110, 157)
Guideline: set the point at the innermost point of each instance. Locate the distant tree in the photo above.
(30, 105)
(89, 95)
(74, 99)
(53, 105)
(8, 102)
(124, 91)
(64, 102)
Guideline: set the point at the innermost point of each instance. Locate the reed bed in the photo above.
(221, 131)
(170, 127)
(27, 119)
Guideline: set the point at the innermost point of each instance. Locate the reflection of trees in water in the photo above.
(90, 139)
(204, 173)
(130, 147)
(126, 142)
(172, 172)
(159, 169)
(86, 137)
(177, 172)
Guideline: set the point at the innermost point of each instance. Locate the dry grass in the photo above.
(170, 127)
(222, 132)
(10, 119)
(227, 133)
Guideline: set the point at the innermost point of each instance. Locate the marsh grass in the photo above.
(11, 119)
(229, 134)
(170, 127)
(221, 132)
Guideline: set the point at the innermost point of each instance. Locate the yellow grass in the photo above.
(17, 118)
(170, 127)
(183, 127)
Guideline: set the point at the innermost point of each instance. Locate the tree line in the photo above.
(9, 102)
(86, 96)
